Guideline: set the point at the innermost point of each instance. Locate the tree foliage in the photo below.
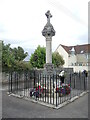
(57, 59)
(7, 56)
(12, 58)
(19, 53)
(0, 55)
(38, 58)
(22, 65)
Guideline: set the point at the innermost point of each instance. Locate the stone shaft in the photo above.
(48, 32)
(48, 49)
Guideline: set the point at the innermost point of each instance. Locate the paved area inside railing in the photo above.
(52, 99)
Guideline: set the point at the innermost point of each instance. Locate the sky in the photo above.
(22, 22)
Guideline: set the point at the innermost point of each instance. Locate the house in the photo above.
(76, 57)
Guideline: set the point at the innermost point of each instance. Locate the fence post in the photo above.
(80, 80)
(48, 93)
(74, 80)
(40, 85)
(17, 81)
(50, 89)
(11, 81)
(56, 90)
(70, 84)
(9, 84)
(45, 88)
(53, 89)
(34, 78)
(24, 81)
(84, 83)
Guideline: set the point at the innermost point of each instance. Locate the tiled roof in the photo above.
(79, 49)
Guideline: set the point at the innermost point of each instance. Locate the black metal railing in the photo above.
(47, 89)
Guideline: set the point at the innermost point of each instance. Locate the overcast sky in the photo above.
(21, 22)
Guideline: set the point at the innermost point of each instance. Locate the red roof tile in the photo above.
(79, 49)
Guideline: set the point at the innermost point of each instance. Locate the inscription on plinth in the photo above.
(49, 69)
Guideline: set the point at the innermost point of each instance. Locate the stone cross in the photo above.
(48, 32)
(48, 14)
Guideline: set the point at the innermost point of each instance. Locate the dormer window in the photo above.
(72, 51)
(82, 51)
(69, 55)
(87, 56)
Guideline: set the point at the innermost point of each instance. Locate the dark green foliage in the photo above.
(38, 58)
(0, 55)
(7, 56)
(57, 59)
(22, 66)
(19, 53)
(12, 59)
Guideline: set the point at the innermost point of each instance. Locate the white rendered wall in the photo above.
(80, 68)
(81, 58)
(64, 54)
(72, 59)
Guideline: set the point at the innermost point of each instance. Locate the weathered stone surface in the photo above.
(48, 28)
(48, 32)
(49, 69)
(48, 50)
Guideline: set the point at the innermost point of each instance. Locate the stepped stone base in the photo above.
(49, 69)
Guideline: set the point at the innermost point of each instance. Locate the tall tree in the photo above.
(19, 53)
(38, 58)
(0, 55)
(57, 59)
(7, 56)
(12, 57)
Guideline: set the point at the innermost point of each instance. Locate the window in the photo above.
(80, 64)
(75, 64)
(71, 64)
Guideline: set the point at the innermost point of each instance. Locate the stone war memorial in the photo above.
(50, 86)
(48, 32)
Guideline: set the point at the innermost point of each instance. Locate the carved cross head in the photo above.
(48, 15)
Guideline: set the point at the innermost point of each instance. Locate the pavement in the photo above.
(13, 107)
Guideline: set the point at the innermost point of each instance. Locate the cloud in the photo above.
(66, 10)
(83, 38)
(23, 20)
(2, 29)
(30, 51)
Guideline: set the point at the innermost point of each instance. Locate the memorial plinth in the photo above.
(48, 32)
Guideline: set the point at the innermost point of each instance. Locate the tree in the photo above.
(12, 57)
(57, 59)
(22, 65)
(38, 58)
(7, 56)
(19, 53)
(0, 55)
